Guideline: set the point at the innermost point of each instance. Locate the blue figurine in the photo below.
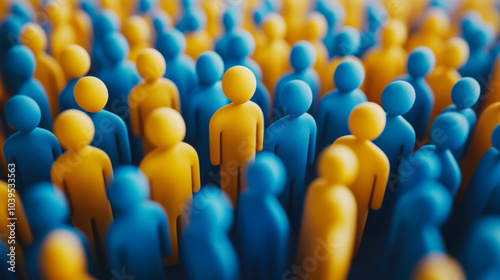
(33, 150)
(449, 131)
(263, 249)
(334, 14)
(480, 254)
(231, 21)
(464, 95)
(120, 77)
(180, 67)
(397, 98)
(302, 60)
(21, 68)
(161, 21)
(136, 243)
(420, 63)
(10, 29)
(210, 221)
(415, 230)
(346, 42)
(376, 16)
(265, 8)
(423, 166)
(105, 23)
(485, 180)
(479, 35)
(193, 19)
(293, 139)
(47, 210)
(335, 107)
(242, 47)
(204, 101)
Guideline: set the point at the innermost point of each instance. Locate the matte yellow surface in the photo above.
(91, 94)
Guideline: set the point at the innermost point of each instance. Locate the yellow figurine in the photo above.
(75, 63)
(432, 33)
(366, 123)
(479, 144)
(385, 62)
(493, 94)
(198, 42)
(314, 32)
(273, 57)
(48, 71)
(82, 23)
(170, 6)
(329, 220)
(438, 266)
(443, 78)
(138, 34)
(82, 173)
(152, 93)
(294, 12)
(236, 130)
(173, 170)
(62, 257)
(212, 10)
(354, 12)
(62, 33)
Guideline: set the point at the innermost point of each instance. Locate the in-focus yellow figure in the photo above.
(152, 93)
(48, 71)
(236, 130)
(438, 266)
(138, 34)
(329, 220)
(173, 170)
(62, 257)
(274, 55)
(385, 62)
(455, 54)
(366, 123)
(82, 173)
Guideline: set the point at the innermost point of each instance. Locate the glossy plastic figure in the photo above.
(33, 150)
(232, 22)
(210, 221)
(274, 55)
(346, 44)
(464, 95)
(152, 93)
(165, 130)
(398, 97)
(62, 256)
(302, 59)
(48, 71)
(296, 152)
(483, 183)
(180, 67)
(366, 123)
(385, 62)
(75, 62)
(437, 266)
(420, 63)
(105, 23)
(131, 237)
(415, 228)
(46, 211)
(21, 63)
(480, 254)
(334, 14)
(265, 180)
(193, 24)
(10, 29)
(120, 77)
(330, 215)
(334, 109)
(236, 130)
(110, 131)
(137, 32)
(205, 100)
(446, 75)
(448, 132)
(83, 181)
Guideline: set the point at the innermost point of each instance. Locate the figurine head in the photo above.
(455, 53)
(302, 56)
(74, 129)
(316, 26)
(136, 30)
(397, 98)
(266, 174)
(421, 62)
(347, 41)
(349, 75)
(150, 64)
(22, 113)
(239, 84)
(449, 130)
(429, 204)
(91, 94)
(422, 166)
(171, 43)
(341, 159)
(295, 98)
(165, 128)
(231, 19)
(75, 61)
(115, 47)
(394, 33)
(211, 209)
(465, 93)
(21, 62)
(367, 121)
(34, 37)
(128, 189)
(46, 207)
(241, 44)
(209, 68)
(105, 23)
(274, 26)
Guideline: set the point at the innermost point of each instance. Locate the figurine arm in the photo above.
(135, 113)
(380, 183)
(215, 140)
(175, 98)
(260, 131)
(56, 174)
(195, 170)
(107, 169)
(312, 142)
(192, 122)
(123, 142)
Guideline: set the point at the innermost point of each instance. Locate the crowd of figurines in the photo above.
(258, 139)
